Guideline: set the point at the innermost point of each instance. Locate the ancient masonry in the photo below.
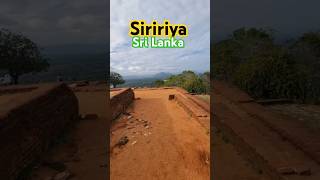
(275, 144)
(120, 100)
(30, 118)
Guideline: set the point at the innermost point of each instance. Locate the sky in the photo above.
(80, 25)
(57, 23)
(148, 61)
(288, 18)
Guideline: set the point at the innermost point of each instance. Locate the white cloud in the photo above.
(130, 61)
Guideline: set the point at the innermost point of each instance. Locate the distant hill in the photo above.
(144, 81)
(162, 75)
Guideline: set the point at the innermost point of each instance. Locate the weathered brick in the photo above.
(30, 121)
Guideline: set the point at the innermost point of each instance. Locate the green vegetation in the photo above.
(116, 79)
(19, 55)
(188, 80)
(255, 63)
(159, 83)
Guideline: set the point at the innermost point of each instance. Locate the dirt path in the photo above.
(164, 141)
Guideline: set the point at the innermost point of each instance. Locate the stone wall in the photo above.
(30, 121)
(120, 100)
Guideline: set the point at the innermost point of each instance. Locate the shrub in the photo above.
(272, 78)
(188, 80)
(251, 60)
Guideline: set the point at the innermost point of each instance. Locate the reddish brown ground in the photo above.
(173, 146)
(176, 145)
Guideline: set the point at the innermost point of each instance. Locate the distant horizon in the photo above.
(159, 73)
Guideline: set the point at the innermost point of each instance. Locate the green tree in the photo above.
(272, 77)
(242, 45)
(254, 62)
(206, 81)
(188, 80)
(305, 51)
(19, 55)
(159, 83)
(116, 79)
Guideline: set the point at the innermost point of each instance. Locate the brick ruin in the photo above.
(275, 144)
(120, 100)
(31, 117)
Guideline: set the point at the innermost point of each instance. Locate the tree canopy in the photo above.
(19, 55)
(252, 60)
(116, 79)
(188, 80)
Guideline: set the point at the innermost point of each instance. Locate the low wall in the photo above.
(192, 106)
(30, 121)
(251, 155)
(288, 128)
(120, 100)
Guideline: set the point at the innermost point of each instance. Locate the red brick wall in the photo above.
(27, 130)
(120, 102)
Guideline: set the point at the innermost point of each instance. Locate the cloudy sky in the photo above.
(81, 24)
(131, 61)
(57, 23)
(289, 18)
